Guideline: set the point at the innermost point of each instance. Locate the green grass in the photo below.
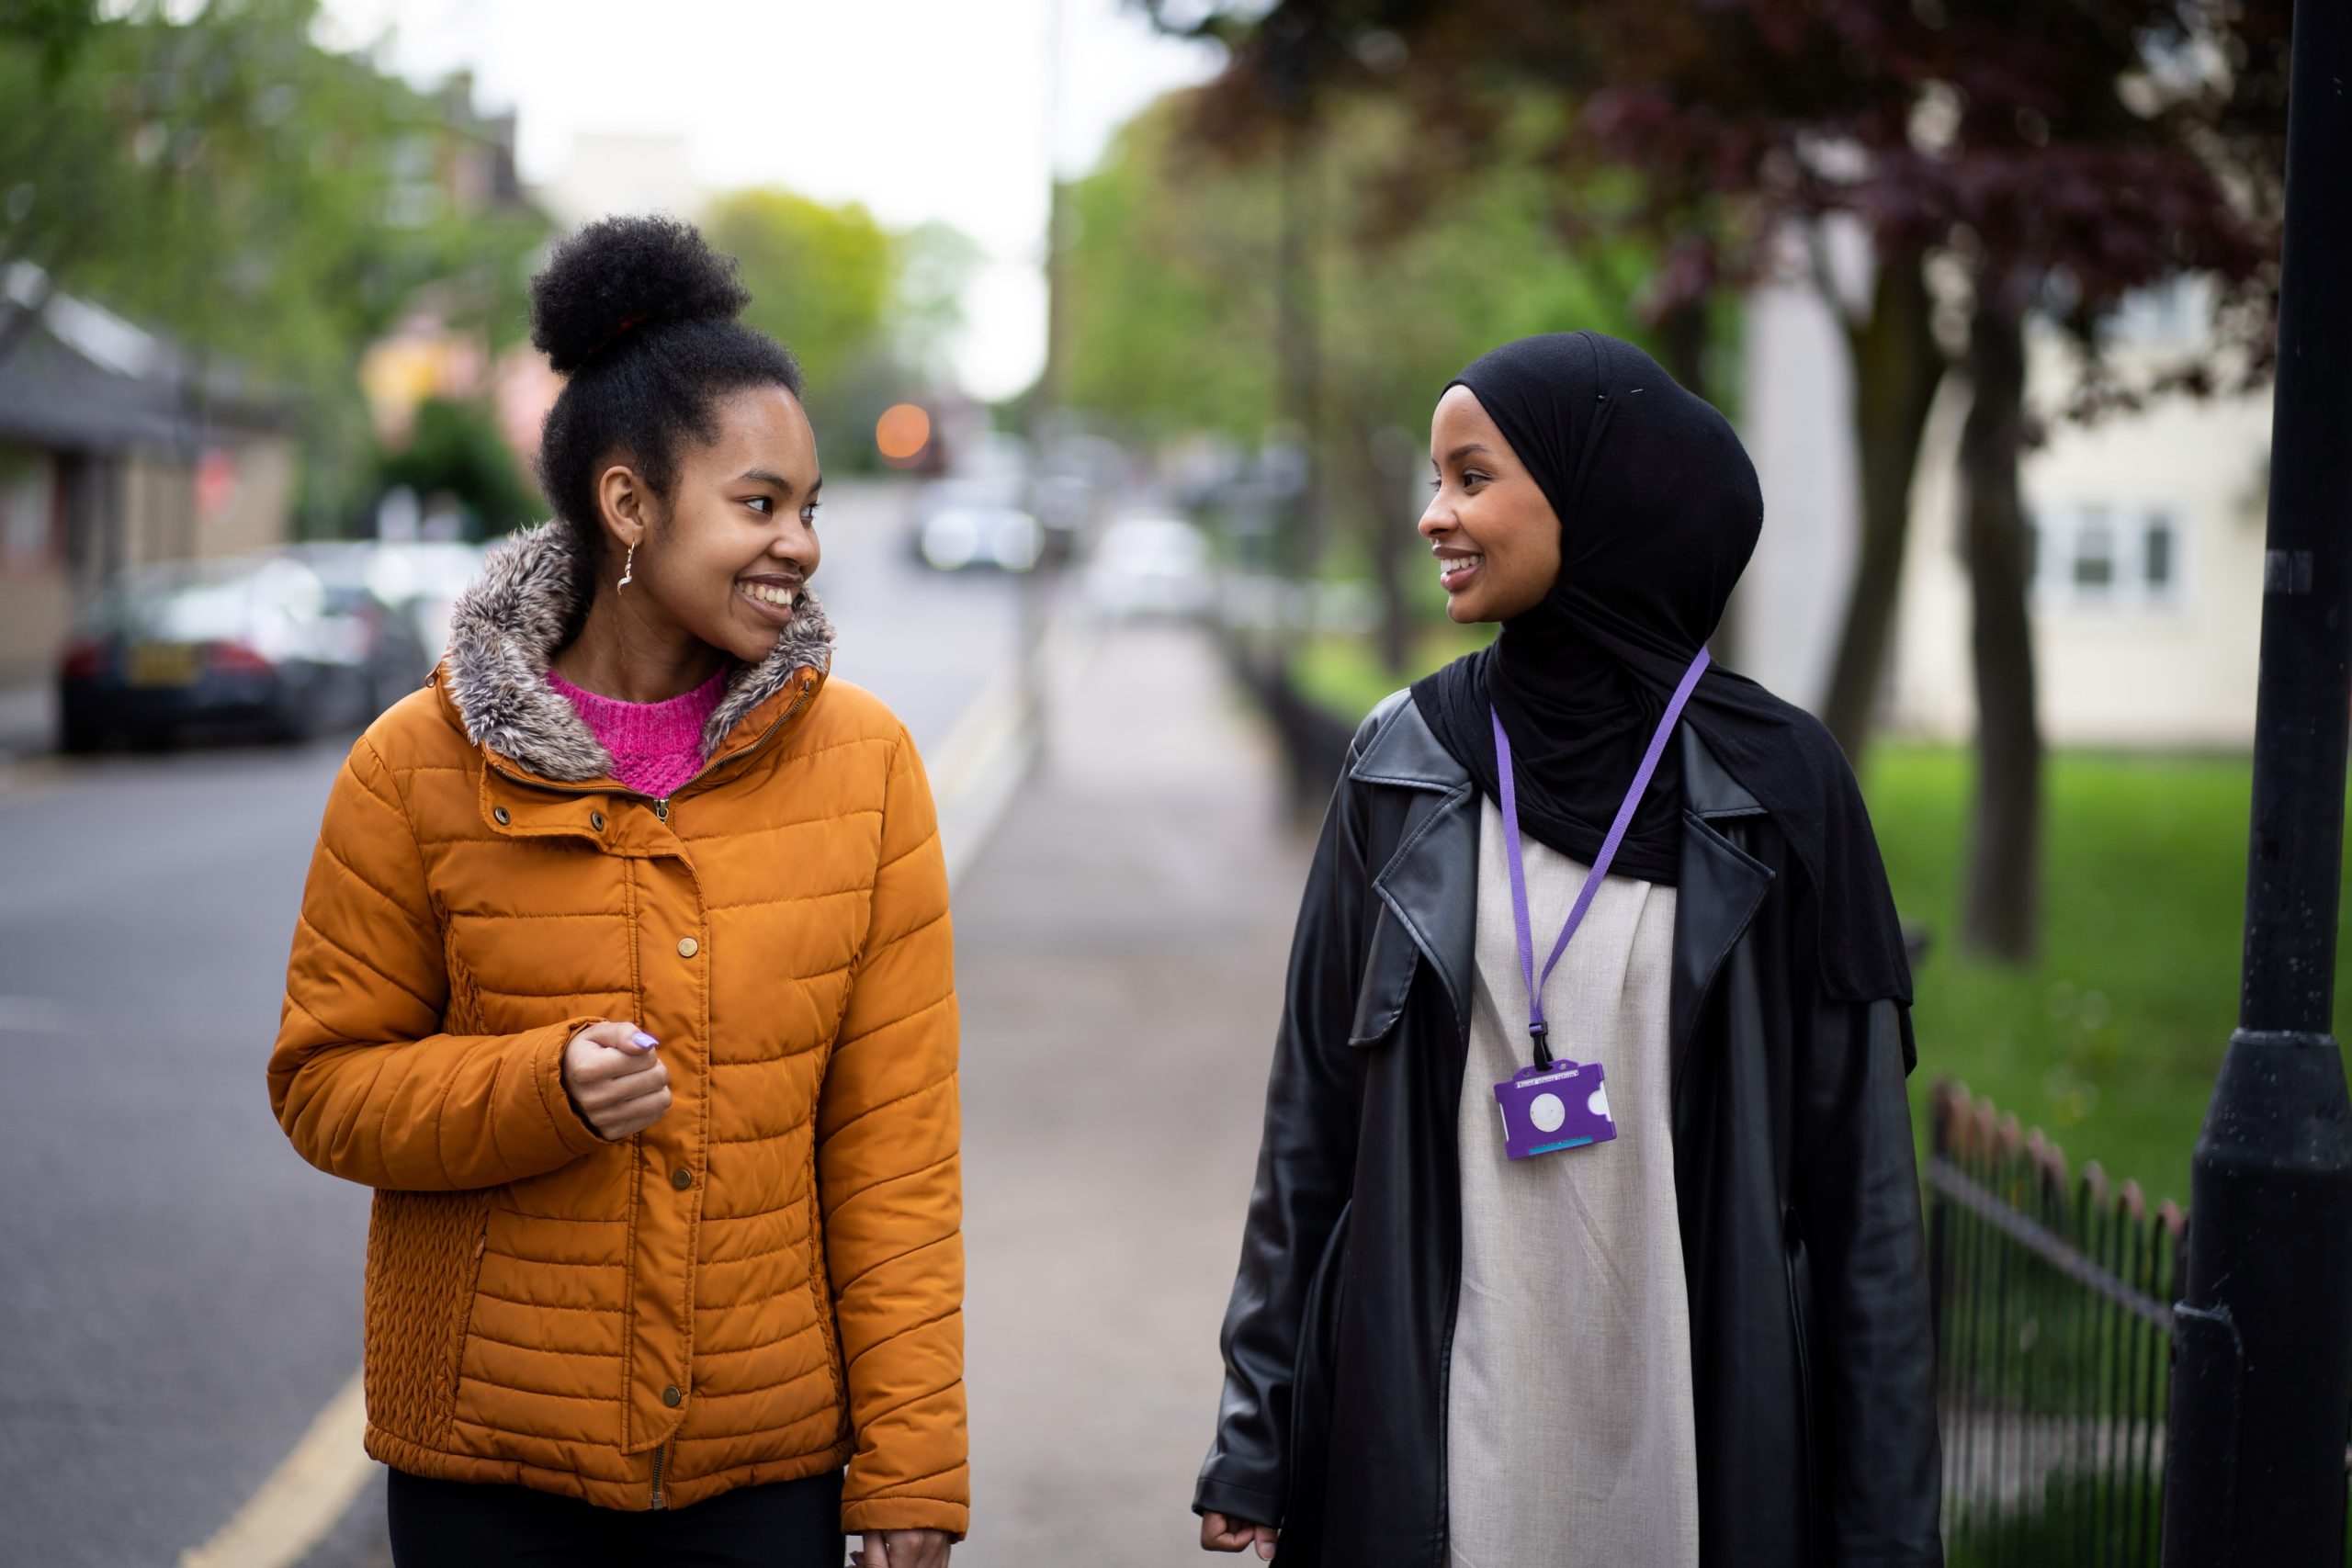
(2079, 1519)
(2111, 1041)
(1344, 676)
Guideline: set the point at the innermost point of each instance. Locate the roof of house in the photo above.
(83, 378)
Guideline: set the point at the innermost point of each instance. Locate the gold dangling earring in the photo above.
(628, 569)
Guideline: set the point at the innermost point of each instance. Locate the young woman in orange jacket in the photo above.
(624, 976)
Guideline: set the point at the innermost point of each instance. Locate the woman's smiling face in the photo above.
(1495, 536)
(727, 554)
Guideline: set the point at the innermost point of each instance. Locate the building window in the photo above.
(28, 513)
(2094, 556)
(2155, 555)
(2101, 555)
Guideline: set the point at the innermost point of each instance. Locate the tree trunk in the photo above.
(1389, 538)
(1897, 366)
(1052, 381)
(1298, 358)
(2000, 916)
(1682, 334)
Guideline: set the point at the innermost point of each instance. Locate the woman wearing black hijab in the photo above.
(1586, 1226)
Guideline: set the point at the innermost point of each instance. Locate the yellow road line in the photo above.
(303, 1498)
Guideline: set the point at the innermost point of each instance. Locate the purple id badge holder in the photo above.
(1558, 1103)
(1561, 1106)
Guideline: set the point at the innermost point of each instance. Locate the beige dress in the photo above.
(1569, 1431)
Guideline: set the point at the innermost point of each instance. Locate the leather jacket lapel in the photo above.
(1429, 886)
(1721, 887)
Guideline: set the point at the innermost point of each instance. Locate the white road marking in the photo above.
(977, 767)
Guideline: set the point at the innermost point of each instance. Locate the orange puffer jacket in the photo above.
(766, 1284)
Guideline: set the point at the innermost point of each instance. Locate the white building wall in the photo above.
(1796, 397)
(2127, 663)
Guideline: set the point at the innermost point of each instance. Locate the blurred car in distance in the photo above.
(361, 580)
(962, 524)
(253, 642)
(1063, 505)
(419, 579)
(1151, 566)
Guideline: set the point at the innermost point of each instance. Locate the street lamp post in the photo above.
(2262, 1339)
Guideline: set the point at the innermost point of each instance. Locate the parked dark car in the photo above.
(253, 643)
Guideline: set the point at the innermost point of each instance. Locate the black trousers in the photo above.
(464, 1524)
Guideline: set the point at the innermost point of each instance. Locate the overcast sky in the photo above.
(919, 109)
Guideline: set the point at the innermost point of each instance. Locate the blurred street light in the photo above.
(901, 434)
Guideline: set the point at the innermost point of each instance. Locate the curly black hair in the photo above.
(640, 313)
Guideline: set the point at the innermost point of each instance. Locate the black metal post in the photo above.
(2255, 1465)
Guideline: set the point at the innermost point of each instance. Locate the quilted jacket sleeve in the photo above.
(890, 1177)
(361, 1079)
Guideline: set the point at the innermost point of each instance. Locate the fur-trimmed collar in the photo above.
(502, 637)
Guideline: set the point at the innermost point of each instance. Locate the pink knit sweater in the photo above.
(656, 746)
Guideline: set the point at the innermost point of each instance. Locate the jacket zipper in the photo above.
(659, 1455)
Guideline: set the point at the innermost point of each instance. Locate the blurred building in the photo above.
(2147, 539)
(118, 447)
(460, 165)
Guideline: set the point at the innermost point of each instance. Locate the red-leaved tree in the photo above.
(2057, 155)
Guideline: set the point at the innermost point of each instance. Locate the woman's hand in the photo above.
(901, 1549)
(616, 1078)
(1219, 1533)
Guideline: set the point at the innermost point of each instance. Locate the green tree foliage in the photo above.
(932, 262)
(458, 451)
(211, 172)
(819, 275)
(1173, 277)
(870, 312)
(1175, 310)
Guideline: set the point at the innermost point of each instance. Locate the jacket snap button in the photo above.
(688, 947)
(681, 1179)
(500, 812)
(672, 1397)
(596, 820)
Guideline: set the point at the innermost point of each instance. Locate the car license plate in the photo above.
(162, 664)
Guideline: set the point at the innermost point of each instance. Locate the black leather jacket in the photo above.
(1812, 1353)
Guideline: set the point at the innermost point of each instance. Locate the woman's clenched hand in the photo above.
(614, 1073)
(901, 1549)
(1219, 1533)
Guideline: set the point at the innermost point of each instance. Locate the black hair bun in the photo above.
(618, 274)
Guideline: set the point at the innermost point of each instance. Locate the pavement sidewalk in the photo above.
(27, 720)
(1120, 946)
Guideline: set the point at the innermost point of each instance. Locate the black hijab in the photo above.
(1659, 512)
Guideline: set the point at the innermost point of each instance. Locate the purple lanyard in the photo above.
(1535, 1026)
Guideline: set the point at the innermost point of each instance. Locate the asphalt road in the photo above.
(181, 1293)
